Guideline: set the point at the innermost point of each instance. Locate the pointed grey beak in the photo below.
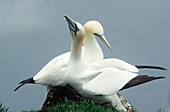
(72, 25)
(102, 38)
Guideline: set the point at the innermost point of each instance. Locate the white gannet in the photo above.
(99, 84)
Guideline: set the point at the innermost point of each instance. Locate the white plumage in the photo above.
(91, 75)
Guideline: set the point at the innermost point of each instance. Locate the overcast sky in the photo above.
(32, 32)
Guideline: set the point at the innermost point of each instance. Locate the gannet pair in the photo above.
(54, 73)
(99, 84)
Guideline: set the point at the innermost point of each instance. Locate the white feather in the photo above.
(108, 82)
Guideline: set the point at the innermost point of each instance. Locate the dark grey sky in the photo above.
(32, 32)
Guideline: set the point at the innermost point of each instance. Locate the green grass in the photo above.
(84, 106)
(3, 108)
(71, 106)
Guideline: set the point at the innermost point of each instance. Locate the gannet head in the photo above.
(76, 29)
(96, 29)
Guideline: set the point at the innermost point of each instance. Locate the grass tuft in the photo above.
(30, 111)
(3, 108)
(161, 110)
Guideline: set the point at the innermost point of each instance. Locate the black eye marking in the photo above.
(98, 34)
(77, 29)
(74, 30)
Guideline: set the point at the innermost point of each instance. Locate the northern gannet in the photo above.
(99, 84)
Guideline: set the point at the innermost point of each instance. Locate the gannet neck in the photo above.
(92, 51)
(76, 48)
(90, 40)
(77, 32)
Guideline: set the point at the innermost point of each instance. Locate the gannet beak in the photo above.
(72, 25)
(102, 37)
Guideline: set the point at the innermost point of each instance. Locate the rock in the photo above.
(58, 94)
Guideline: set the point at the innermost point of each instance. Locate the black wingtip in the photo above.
(140, 79)
(18, 87)
(150, 67)
(161, 77)
(29, 80)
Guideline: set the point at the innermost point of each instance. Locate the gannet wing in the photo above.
(123, 65)
(120, 64)
(116, 63)
(108, 82)
(57, 63)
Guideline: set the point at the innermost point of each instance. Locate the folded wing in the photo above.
(108, 82)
